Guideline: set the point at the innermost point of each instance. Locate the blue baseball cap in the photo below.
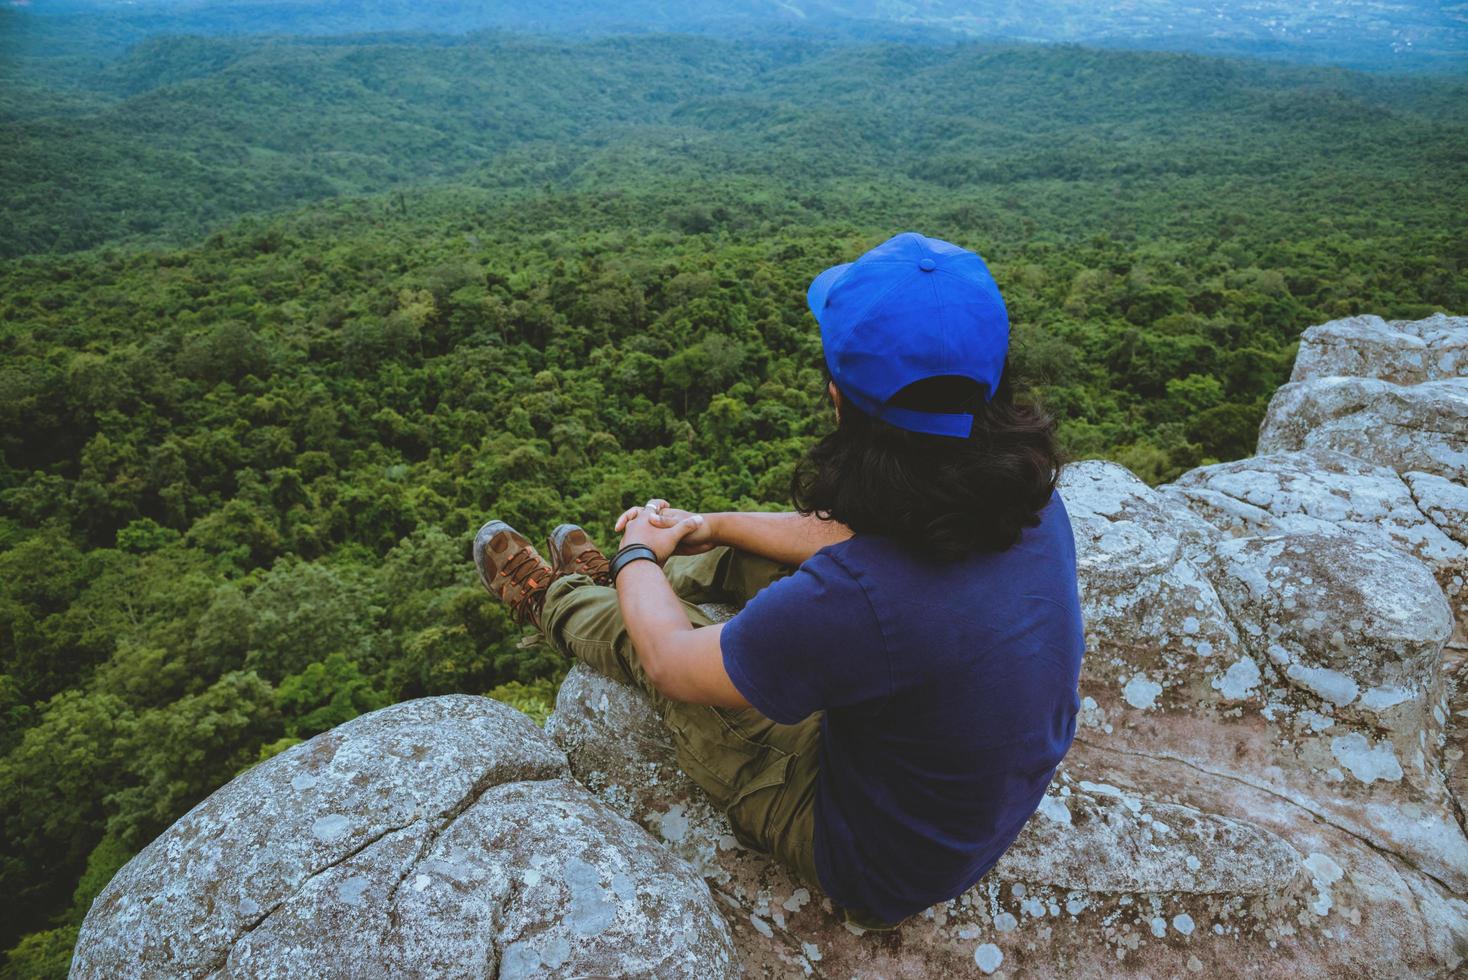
(911, 308)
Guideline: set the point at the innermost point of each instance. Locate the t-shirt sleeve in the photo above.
(807, 642)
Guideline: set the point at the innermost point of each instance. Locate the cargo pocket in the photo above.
(741, 774)
(753, 806)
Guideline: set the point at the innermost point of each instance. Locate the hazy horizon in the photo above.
(1399, 36)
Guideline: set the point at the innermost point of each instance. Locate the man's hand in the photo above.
(685, 662)
(666, 530)
(788, 538)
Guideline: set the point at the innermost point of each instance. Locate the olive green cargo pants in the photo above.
(760, 774)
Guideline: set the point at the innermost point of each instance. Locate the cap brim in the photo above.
(820, 286)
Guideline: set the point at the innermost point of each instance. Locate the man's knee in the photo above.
(696, 578)
(579, 614)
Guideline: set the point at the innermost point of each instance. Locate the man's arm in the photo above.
(683, 661)
(789, 538)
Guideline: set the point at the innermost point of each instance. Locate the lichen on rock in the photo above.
(1402, 352)
(439, 837)
(1267, 776)
(1258, 782)
(1407, 427)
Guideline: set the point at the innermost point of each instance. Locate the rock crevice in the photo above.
(1267, 775)
(497, 864)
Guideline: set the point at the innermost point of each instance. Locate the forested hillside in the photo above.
(182, 134)
(283, 321)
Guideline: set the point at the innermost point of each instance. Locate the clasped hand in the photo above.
(666, 530)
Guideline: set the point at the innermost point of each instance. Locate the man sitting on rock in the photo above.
(888, 707)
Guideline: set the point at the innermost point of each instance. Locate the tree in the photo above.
(52, 787)
(176, 755)
(325, 695)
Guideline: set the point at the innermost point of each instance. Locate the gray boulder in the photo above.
(1154, 621)
(1348, 640)
(1403, 352)
(1392, 396)
(1337, 653)
(1406, 427)
(439, 837)
(1194, 827)
(1265, 780)
(1321, 491)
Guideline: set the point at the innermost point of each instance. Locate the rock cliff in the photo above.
(442, 837)
(1267, 778)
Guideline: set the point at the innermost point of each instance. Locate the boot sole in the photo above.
(556, 538)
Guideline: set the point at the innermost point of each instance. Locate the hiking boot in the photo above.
(572, 551)
(512, 570)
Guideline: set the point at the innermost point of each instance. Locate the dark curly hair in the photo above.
(942, 497)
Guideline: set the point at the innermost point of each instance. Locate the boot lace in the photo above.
(593, 563)
(528, 586)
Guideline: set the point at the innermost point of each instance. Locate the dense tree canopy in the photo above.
(245, 448)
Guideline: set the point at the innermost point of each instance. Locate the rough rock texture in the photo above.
(1390, 393)
(1324, 492)
(1403, 352)
(1393, 396)
(1267, 778)
(1406, 427)
(1261, 781)
(439, 837)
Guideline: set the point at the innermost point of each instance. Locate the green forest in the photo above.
(284, 320)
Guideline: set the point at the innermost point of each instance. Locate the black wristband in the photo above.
(627, 555)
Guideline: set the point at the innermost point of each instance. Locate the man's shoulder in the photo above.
(868, 556)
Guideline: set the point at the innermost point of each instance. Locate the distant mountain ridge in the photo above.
(1404, 35)
(186, 133)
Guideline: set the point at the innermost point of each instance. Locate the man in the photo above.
(887, 710)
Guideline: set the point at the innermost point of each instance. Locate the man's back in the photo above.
(885, 718)
(949, 692)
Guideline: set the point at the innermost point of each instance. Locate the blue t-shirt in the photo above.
(949, 692)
